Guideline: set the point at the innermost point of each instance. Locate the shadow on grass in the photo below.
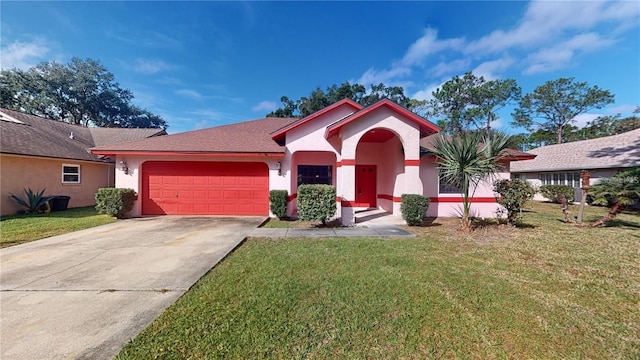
(525, 226)
(622, 223)
(430, 222)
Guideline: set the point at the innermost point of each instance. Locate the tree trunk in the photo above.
(585, 178)
(565, 208)
(559, 133)
(616, 209)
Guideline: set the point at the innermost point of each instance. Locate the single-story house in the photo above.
(372, 155)
(40, 153)
(561, 164)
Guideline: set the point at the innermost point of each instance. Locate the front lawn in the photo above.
(17, 229)
(546, 290)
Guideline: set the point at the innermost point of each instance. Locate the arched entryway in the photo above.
(379, 169)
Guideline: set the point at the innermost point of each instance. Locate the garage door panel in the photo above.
(213, 188)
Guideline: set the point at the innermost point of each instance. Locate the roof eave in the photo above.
(190, 153)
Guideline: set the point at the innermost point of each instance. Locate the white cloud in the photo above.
(150, 66)
(417, 53)
(562, 54)
(429, 44)
(549, 36)
(190, 93)
(582, 119)
(622, 109)
(23, 55)
(546, 22)
(265, 106)
(450, 67)
(427, 92)
(201, 125)
(488, 69)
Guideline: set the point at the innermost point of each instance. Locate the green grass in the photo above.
(19, 229)
(546, 290)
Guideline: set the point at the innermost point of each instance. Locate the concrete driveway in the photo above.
(83, 295)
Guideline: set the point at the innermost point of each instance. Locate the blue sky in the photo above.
(203, 64)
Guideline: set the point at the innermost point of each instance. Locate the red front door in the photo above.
(366, 185)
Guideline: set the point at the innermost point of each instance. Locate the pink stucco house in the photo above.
(372, 155)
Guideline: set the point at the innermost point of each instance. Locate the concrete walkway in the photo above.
(83, 295)
(357, 231)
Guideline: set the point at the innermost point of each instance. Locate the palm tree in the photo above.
(466, 160)
(617, 192)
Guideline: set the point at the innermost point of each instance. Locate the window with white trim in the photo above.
(446, 188)
(561, 178)
(70, 174)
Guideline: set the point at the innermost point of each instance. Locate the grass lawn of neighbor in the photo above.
(544, 290)
(17, 229)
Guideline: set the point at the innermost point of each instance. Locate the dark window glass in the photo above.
(314, 174)
(446, 188)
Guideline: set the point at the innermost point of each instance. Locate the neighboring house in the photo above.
(372, 155)
(39, 153)
(561, 164)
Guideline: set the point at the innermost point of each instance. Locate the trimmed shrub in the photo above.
(414, 208)
(278, 202)
(316, 202)
(551, 192)
(513, 195)
(114, 201)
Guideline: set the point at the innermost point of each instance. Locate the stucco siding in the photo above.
(20, 172)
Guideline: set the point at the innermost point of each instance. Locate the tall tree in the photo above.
(82, 92)
(470, 102)
(467, 159)
(555, 104)
(319, 99)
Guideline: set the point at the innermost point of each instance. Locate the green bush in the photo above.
(278, 201)
(114, 201)
(414, 208)
(513, 195)
(551, 192)
(316, 202)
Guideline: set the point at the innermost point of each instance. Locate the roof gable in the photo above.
(279, 134)
(426, 127)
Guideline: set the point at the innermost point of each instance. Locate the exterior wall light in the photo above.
(279, 167)
(123, 167)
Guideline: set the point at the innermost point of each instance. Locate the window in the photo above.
(314, 174)
(70, 174)
(561, 178)
(446, 188)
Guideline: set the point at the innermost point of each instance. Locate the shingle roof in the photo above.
(622, 150)
(38, 136)
(245, 137)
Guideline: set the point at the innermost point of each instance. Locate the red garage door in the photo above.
(204, 188)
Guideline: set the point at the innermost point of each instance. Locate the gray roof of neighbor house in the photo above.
(616, 151)
(24, 134)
